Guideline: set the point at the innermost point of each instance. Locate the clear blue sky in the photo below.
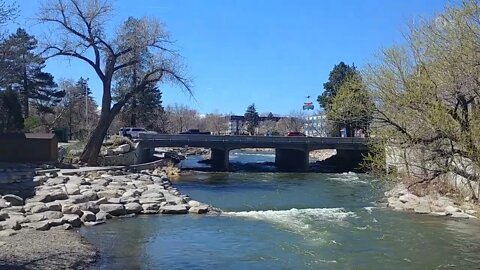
(272, 53)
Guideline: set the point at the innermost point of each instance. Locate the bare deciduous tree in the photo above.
(181, 118)
(80, 33)
(295, 121)
(215, 123)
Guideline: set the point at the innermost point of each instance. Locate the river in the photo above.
(286, 221)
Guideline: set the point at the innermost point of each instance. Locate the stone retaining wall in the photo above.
(17, 179)
(410, 162)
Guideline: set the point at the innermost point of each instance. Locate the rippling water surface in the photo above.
(287, 221)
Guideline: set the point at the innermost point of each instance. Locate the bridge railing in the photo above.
(246, 139)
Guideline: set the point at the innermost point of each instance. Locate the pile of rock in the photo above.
(399, 198)
(117, 150)
(91, 199)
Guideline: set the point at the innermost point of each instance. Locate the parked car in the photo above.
(295, 134)
(133, 132)
(196, 131)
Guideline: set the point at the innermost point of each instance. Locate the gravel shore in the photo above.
(55, 249)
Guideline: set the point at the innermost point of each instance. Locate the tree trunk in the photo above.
(90, 153)
(24, 94)
(133, 116)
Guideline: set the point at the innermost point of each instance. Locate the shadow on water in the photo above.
(255, 162)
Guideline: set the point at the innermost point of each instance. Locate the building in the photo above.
(316, 125)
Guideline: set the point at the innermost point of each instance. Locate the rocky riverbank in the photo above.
(85, 199)
(400, 198)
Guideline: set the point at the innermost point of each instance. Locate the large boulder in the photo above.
(52, 214)
(151, 206)
(39, 180)
(113, 209)
(173, 209)
(4, 203)
(90, 195)
(111, 193)
(200, 209)
(153, 192)
(40, 225)
(3, 216)
(101, 182)
(14, 200)
(75, 180)
(10, 224)
(57, 222)
(29, 205)
(107, 152)
(78, 199)
(54, 206)
(193, 203)
(101, 201)
(133, 208)
(89, 206)
(423, 208)
(408, 198)
(13, 209)
(122, 149)
(36, 217)
(7, 233)
(73, 220)
(42, 197)
(151, 200)
(174, 199)
(58, 195)
(452, 209)
(120, 200)
(131, 193)
(39, 208)
(72, 189)
(102, 216)
(88, 216)
(71, 209)
(60, 180)
(19, 218)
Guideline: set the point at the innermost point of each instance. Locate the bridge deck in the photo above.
(237, 142)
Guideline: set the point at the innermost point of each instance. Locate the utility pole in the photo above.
(84, 85)
(308, 105)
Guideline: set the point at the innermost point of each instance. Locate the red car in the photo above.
(295, 133)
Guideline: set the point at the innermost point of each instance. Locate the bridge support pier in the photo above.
(291, 160)
(350, 159)
(219, 159)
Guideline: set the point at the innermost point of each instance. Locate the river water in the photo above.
(286, 221)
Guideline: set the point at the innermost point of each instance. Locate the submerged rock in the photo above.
(133, 208)
(173, 209)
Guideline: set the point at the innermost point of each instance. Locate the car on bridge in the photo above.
(196, 131)
(133, 132)
(295, 134)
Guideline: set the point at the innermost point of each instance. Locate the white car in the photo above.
(133, 132)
